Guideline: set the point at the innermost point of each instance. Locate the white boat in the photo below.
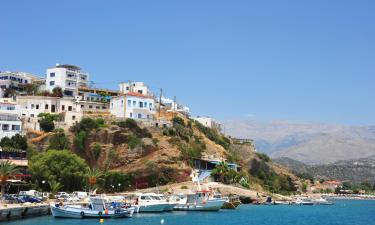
(96, 208)
(201, 200)
(321, 201)
(303, 201)
(149, 202)
(162, 198)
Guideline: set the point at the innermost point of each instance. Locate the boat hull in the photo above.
(72, 212)
(152, 208)
(208, 206)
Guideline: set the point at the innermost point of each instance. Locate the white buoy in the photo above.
(162, 221)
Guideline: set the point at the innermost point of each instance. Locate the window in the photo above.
(97, 107)
(112, 106)
(82, 106)
(36, 106)
(129, 102)
(31, 115)
(63, 107)
(103, 107)
(122, 102)
(51, 83)
(139, 116)
(131, 115)
(150, 105)
(73, 117)
(52, 75)
(145, 104)
(32, 106)
(148, 116)
(90, 106)
(5, 126)
(134, 103)
(140, 92)
(70, 108)
(140, 104)
(46, 106)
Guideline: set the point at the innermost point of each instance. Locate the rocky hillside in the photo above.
(311, 143)
(157, 156)
(353, 171)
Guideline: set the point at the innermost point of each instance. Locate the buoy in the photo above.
(101, 220)
(162, 221)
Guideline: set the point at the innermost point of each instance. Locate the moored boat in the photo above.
(95, 209)
(150, 202)
(201, 200)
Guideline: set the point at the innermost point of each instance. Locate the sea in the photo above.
(343, 212)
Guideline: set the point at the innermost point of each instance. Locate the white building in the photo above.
(133, 105)
(137, 87)
(208, 122)
(71, 109)
(172, 106)
(16, 80)
(68, 77)
(10, 122)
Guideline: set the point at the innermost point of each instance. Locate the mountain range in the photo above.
(310, 143)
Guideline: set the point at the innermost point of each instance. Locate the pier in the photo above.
(19, 211)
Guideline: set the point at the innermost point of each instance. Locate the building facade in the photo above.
(133, 105)
(17, 80)
(208, 122)
(68, 77)
(136, 87)
(10, 122)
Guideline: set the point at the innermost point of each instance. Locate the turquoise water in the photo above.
(344, 212)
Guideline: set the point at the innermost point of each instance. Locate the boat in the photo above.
(232, 202)
(162, 198)
(151, 202)
(321, 201)
(201, 200)
(303, 201)
(269, 201)
(96, 208)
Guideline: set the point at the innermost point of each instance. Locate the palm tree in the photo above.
(7, 169)
(93, 176)
(54, 186)
(222, 169)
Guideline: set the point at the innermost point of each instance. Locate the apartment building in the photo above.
(17, 80)
(209, 122)
(133, 105)
(10, 122)
(68, 77)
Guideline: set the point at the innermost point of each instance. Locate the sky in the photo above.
(264, 60)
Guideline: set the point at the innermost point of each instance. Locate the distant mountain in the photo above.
(355, 171)
(311, 143)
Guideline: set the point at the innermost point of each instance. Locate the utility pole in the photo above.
(174, 105)
(161, 94)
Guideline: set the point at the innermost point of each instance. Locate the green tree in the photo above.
(46, 122)
(7, 170)
(59, 141)
(54, 187)
(57, 92)
(63, 166)
(93, 175)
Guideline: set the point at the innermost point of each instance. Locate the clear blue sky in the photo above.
(294, 60)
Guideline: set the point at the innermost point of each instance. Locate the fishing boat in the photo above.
(96, 208)
(162, 198)
(201, 200)
(232, 202)
(150, 202)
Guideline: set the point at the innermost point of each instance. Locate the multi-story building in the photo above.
(137, 87)
(133, 105)
(17, 80)
(68, 77)
(209, 122)
(10, 122)
(71, 109)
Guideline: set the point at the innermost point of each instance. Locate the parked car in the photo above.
(67, 198)
(27, 198)
(32, 193)
(81, 194)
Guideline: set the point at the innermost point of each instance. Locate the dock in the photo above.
(20, 211)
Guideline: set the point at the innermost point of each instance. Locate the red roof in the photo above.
(137, 95)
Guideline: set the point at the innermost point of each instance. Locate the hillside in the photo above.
(353, 171)
(311, 143)
(153, 156)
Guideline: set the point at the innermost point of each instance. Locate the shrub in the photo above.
(133, 126)
(97, 150)
(178, 120)
(17, 142)
(80, 140)
(59, 141)
(184, 187)
(263, 156)
(134, 141)
(213, 135)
